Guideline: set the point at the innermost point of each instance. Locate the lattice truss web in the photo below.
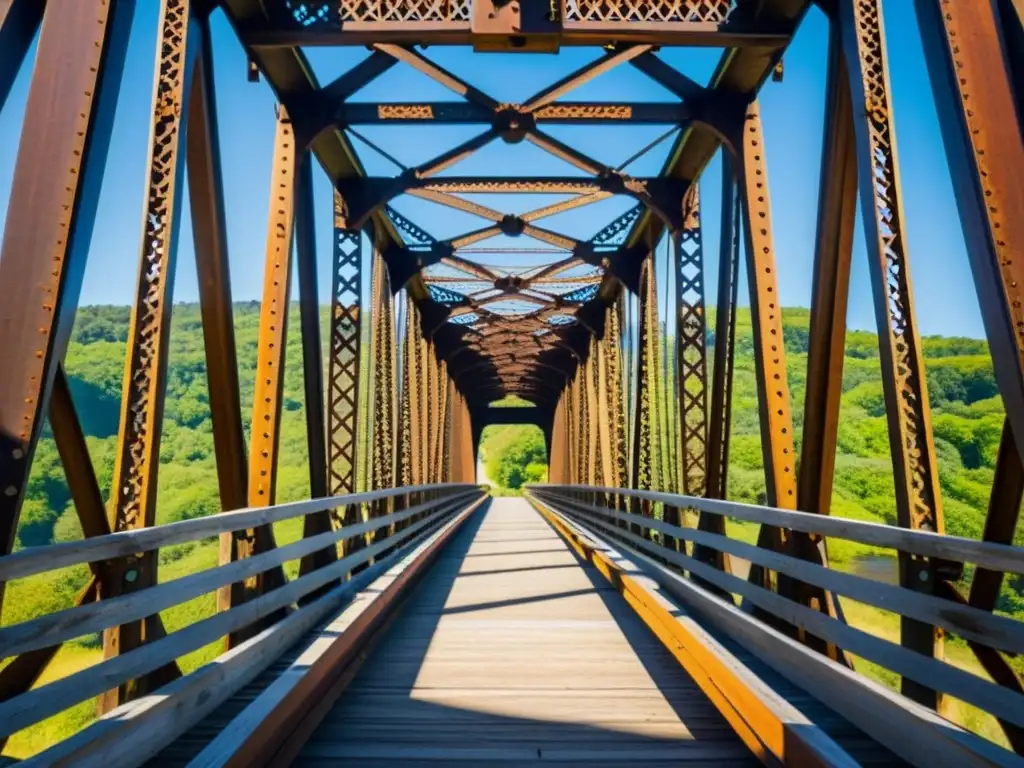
(310, 12)
(515, 275)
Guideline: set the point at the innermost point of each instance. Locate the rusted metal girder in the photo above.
(918, 502)
(646, 442)
(537, 26)
(691, 348)
(974, 91)
(720, 415)
(312, 363)
(766, 316)
(837, 205)
(772, 380)
(466, 113)
(265, 432)
(343, 371)
(382, 473)
(206, 195)
(142, 401)
(57, 177)
(970, 60)
(556, 455)
(408, 445)
(369, 196)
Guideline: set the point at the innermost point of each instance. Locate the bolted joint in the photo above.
(613, 182)
(512, 124)
(511, 225)
(509, 284)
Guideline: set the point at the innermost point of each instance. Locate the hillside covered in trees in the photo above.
(966, 408)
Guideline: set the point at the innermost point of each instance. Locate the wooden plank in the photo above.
(511, 650)
(970, 623)
(912, 731)
(918, 542)
(250, 739)
(33, 560)
(769, 725)
(964, 685)
(137, 730)
(61, 626)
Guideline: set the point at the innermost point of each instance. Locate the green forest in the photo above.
(966, 409)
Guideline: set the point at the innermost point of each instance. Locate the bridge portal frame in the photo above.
(975, 74)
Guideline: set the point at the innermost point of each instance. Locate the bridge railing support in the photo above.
(675, 545)
(306, 599)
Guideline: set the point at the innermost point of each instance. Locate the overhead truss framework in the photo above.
(496, 322)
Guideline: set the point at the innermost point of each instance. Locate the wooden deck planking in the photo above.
(512, 651)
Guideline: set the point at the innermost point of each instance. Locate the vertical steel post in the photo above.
(383, 437)
(918, 502)
(265, 432)
(57, 178)
(312, 363)
(971, 62)
(981, 129)
(206, 195)
(137, 458)
(837, 205)
(691, 347)
(343, 371)
(720, 416)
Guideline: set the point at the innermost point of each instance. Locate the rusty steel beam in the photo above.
(464, 113)
(138, 445)
(206, 195)
(57, 177)
(918, 500)
(720, 414)
(777, 445)
(408, 455)
(691, 348)
(343, 365)
(609, 61)
(837, 205)
(766, 317)
(973, 86)
(312, 363)
(265, 432)
(743, 33)
(645, 411)
(382, 472)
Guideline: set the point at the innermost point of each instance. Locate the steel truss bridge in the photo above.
(609, 617)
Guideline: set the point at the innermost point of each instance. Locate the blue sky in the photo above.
(792, 112)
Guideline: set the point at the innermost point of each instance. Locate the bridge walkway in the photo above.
(512, 651)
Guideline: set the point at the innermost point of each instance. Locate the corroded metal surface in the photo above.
(691, 349)
(918, 499)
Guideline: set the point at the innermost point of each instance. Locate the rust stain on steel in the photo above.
(343, 365)
(918, 502)
(60, 164)
(691, 348)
